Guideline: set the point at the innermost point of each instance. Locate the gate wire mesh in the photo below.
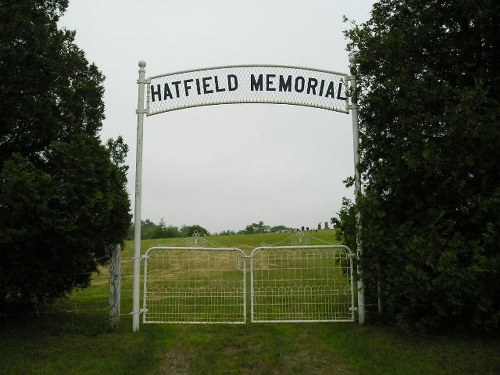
(247, 84)
(302, 284)
(194, 285)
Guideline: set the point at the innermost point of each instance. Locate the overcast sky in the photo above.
(224, 167)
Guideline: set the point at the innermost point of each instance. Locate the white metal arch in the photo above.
(269, 84)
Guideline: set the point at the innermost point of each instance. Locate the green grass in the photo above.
(73, 337)
(247, 242)
(54, 346)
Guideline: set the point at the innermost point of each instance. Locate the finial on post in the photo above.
(142, 64)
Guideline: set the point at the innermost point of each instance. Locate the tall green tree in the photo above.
(429, 96)
(63, 202)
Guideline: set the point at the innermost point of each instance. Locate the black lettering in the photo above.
(285, 85)
(339, 91)
(300, 83)
(270, 82)
(330, 92)
(321, 87)
(156, 92)
(256, 85)
(198, 88)
(232, 82)
(166, 92)
(187, 86)
(217, 88)
(312, 83)
(206, 85)
(176, 85)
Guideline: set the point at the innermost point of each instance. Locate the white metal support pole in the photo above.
(357, 193)
(138, 193)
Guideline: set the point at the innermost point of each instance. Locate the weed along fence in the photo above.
(201, 285)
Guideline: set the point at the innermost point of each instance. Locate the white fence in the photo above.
(200, 285)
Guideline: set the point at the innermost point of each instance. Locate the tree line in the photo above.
(150, 230)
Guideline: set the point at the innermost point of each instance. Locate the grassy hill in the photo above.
(247, 242)
(73, 337)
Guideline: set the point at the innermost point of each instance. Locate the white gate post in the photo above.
(357, 193)
(138, 193)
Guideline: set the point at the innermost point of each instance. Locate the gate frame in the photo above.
(242, 256)
(349, 255)
(141, 111)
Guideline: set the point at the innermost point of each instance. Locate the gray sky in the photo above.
(224, 167)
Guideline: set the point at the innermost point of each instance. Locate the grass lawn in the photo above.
(73, 337)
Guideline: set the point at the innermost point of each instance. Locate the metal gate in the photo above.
(302, 284)
(194, 285)
(200, 285)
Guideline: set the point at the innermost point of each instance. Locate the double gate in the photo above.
(201, 285)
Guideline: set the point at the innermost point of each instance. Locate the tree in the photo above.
(255, 228)
(63, 202)
(164, 231)
(429, 89)
(150, 230)
(191, 230)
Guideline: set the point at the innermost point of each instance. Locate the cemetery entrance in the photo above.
(292, 284)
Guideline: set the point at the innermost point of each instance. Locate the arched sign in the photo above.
(270, 84)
